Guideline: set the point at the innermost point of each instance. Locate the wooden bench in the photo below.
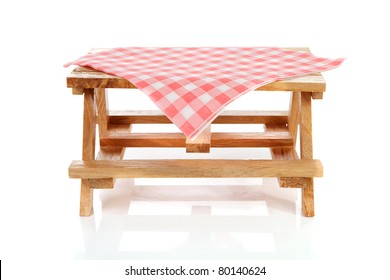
(114, 128)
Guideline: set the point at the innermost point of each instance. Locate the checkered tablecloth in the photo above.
(192, 85)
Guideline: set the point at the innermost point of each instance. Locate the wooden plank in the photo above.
(101, 183)
(177, 140)
(80, 78)
(293, 116)
(109, 153)
(167, 140)
(317, 95)
(88, 151)
(119, 128)
(86, 199)
(77, 91)
(89, 125)
(251, 139)
(288, 182)
(286, 154)
(306, 143)
(313, 83)
(251, 117)
(306, 148)
(226, 117)
(194, 168)
(102, 110)
(138, 117)
(84, 77)
(200, 144)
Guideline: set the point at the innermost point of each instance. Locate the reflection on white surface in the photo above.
(159, 208)
(255, 242)
(181, 208)
(239, 208)
(243, 218)
(196, 222)
(150, 241)
(197, 181)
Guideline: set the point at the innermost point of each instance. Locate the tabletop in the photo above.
(85, 77)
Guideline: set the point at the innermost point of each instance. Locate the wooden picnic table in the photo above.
(99, 170)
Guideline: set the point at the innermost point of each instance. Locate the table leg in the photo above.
(89, 132)
(306, 149)
(293, 115)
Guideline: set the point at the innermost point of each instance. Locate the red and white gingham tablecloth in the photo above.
(193, 85)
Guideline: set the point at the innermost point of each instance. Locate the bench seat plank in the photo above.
(194, 168)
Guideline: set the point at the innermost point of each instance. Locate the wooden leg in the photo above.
(293, 115)
(306, 146)
(102, 110)
(308, 199)
(86, 198)
(89, 132)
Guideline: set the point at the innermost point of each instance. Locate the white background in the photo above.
(41, 129)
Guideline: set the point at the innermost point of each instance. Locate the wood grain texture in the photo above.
(78, 91)
(251, 139)
(317, 95)
(102, 183)
(306, 148)
(86, 199)
(288, 182)
(109, 153)
(200, 144)
(306, 143)
(293, 116)
(83, 77)
(177, 140)
(286, 154)
(313, 83)
(226, 117)
(89, 125)
(102, 110)
(119, 128)
(194, 168)
(88, 151)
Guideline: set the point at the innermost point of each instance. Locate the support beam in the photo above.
(89, 134)
(109, 153)
(200, 144)
(293, 115)
(317, 95)
(306, 147)
(226, 117)
(288, 182)
(218, 140)
(102, 110)
(288, 153)
(78, 91)
(194, 168)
